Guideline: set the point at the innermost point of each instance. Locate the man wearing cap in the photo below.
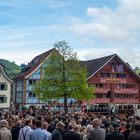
(114, 135)
(5, 133)
(97, 133)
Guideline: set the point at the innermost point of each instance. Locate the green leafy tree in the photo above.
(63, 77)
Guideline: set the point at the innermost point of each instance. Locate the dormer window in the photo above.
(113, 67)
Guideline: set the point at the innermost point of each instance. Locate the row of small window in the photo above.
(112, 75)
(28, 94)
(3, 86)
(29, 100)
(119, 86)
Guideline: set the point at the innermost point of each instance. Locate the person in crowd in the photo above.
(34, 124)
(45, 128)
(71, 134)
(114, 135)
(88, 129)
(15, 130)
(24, 133)
(5, 133)
(136, 134)
(38, 134)
(122, 127)
(97, 133)
(57, 132)
(127, 131)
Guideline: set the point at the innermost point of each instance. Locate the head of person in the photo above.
(71, 125)
(115, 126)
(28, 122)
(96, 122)
(77, 128)
(34, 123)
(19, 123)
(3, 123)
(38, 124)
(89, 128)
(45, 125)
(60, 125)
(128, 126)
(137, 126)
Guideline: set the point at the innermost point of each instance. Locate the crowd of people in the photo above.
(37, 124)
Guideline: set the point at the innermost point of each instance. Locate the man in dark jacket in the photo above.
(115, 135)
(135, 135)
(15, 131)
(127, 131)
(57, 132)
(70, 134)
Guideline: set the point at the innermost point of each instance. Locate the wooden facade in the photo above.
(115, 83)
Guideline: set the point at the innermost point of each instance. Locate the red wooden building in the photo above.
(114, 80)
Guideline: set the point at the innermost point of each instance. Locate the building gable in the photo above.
(34, 65)
(119, 66)
(4, 74)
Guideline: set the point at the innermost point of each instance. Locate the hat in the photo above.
(115, 125)
(128, 126)
(3, 123)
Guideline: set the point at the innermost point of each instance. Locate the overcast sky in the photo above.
(93, 28)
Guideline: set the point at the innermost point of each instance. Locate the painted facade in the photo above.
(25, 80)
(113, 79)
(115, 83)
(6, 90)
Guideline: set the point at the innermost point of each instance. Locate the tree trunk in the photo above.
(65, 104)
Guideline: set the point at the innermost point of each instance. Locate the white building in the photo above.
(5, 89)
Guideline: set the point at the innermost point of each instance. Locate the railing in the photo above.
(124, 101)
(100, 101)
(135, 91)
(101, 90)
(113, 80)
(113, 100)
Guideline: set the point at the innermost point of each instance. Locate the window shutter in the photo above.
(5, 87)
(5, 99)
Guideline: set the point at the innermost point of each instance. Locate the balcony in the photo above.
(127, 91)
(101, 90)
(112, 80)
(125, 101)
(100, 101)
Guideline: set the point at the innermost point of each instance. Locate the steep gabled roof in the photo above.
(95, 65)
(33, 64)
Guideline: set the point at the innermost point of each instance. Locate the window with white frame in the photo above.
(3, 86)
(3, 99)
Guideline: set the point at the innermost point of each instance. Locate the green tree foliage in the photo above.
(63, 77)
